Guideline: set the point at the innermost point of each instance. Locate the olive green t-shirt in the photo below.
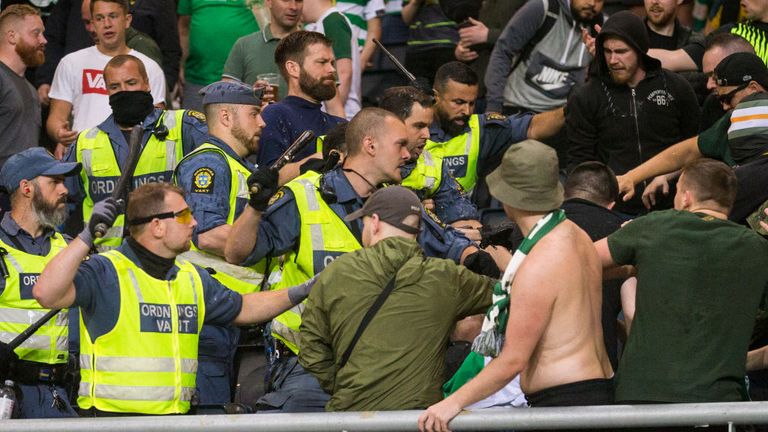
(253, 55)
(700, 282)
(214, 27)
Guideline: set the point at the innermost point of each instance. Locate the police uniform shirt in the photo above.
(451, 203)
(280, 226)
(497, 133)
(97, 292)
(194, 132)
(286, 120)
(206, 179)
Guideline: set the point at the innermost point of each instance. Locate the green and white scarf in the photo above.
(491, 338)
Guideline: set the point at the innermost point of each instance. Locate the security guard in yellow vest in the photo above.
(472, 145)
(425, 173)
(168, 136)
(214, 179)
(28, 241)
(303, 225)
(143, 308)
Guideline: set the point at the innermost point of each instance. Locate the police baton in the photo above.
(286, 157)
(121, 188)
(412, 81)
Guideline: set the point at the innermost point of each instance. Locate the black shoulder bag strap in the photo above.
(367, 319)
(550, 17)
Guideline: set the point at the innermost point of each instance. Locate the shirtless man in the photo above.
(554, 338)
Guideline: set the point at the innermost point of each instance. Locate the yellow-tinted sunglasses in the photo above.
(183, 216)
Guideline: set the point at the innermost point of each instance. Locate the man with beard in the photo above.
(213, 177)
(103, 150)
(630, 109)
(142, 308)
(540, 55)
(472, 144)
(305, 60)
(28, 241)
(22, 45)
(424, 173)
(301, 229)
(664, 30)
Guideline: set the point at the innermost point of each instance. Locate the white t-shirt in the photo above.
(79, 80)
(359, 12)
(353, 104)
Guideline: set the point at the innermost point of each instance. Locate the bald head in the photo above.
(368, 122)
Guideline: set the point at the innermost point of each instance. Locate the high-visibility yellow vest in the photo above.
(427, 174)
(461, 153)
(147, 363)
(241, 279)
(18, 309)
(101, 171)
(323, 238)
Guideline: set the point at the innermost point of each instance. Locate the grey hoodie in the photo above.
(543, 80)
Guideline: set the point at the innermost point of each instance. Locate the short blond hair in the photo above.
(15, 13)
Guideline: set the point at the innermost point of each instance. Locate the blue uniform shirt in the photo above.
(37, 399)
(280, 226)
(210, 205)
(194, 132)
(286, 120)
(98, 294)
(451, 203)
(496, 135)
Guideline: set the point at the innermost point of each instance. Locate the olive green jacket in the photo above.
(398, 363)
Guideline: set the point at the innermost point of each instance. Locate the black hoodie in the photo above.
(622, 126)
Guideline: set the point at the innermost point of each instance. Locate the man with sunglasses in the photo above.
(142, 308)
(736, 139)
(214, 178)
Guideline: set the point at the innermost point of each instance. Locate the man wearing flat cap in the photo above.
(28, 241)
(553, 335)
(214, 178)
(398, 361)
(103, 150)
(738, 138)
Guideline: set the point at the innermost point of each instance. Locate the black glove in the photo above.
(266, 181)
(482, 263)
(313, 164)
(104, 214)
(497, 234)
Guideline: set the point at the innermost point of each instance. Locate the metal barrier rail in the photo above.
(609, 417)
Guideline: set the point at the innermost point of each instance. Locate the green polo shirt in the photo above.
(249, 56)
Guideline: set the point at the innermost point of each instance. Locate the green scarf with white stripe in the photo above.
(491, 338)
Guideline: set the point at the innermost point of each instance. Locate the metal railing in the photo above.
(608, 417)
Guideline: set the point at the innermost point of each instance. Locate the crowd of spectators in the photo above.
(563, 204)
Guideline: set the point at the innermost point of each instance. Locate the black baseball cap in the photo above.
(741, 68)
(393, 204)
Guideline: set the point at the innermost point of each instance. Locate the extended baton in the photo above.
(409, 76)
(286, 157)
(121, 188)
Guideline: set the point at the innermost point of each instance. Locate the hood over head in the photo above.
(631, 29)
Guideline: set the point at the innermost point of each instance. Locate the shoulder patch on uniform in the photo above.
(196, 114)
(434, 217)
(496, 117)
(276, 197)
(202, 180)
